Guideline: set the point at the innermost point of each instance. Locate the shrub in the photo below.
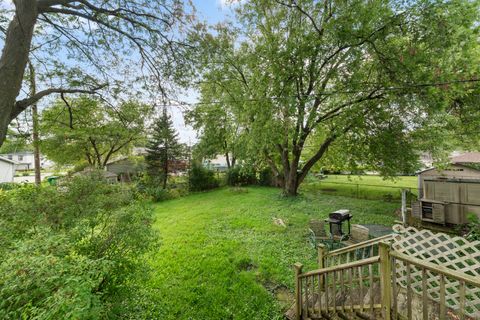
(201, 179)
(70, 251)
(5, 186)
(241, 176)
(265, 177)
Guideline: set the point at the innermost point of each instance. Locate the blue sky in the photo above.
(212, 11)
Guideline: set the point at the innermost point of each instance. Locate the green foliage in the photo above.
(71, 251)
(89, 131)
(9, 186)
(364, 78)
(201, 178)
(163, 150)
(241, 175)
(474, 227)
(265, 177)
(15, 141)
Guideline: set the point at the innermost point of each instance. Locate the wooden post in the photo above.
(404, 207)
(385, 279)
(322, 252)
(298, 291)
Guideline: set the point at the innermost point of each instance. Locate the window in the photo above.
(20, 158)
(9, 157)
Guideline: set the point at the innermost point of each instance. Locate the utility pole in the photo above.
(35, 137)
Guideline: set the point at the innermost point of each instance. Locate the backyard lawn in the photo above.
(223, 257)
(363, 187)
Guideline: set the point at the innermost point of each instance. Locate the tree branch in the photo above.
(21, 105)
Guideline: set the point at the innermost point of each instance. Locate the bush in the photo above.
(265, 177)
(241, 176)
(72, 251)
(5, 186)
(201, 179)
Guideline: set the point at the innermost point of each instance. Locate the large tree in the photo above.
(86, 130)
(163, 149)
(362, 74)
(83, 45)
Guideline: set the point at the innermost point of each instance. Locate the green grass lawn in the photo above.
(222, 257)
(363, 187)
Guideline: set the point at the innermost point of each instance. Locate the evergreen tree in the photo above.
(163, 148)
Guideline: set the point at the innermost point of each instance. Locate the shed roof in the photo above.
(468, 157)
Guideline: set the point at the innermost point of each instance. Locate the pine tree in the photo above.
(163, 148)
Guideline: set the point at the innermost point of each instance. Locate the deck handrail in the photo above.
(359, 245)
(339, 267)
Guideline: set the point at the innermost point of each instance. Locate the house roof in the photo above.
(8, 160)
(118, 159)
(468, 157)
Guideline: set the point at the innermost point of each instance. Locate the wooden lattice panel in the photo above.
(455, 253)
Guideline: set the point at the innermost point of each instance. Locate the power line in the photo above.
(328, 93)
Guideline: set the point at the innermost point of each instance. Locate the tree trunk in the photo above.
(14, 59)
(36, 146)
(291, 181)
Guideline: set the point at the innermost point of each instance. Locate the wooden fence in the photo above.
(395, 274)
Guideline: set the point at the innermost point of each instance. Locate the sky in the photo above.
(212, 11)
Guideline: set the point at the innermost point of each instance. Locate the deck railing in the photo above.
(370, 284)
(358, 251)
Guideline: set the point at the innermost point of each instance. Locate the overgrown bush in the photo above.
(473, 227)
(71, 252)
(241, 176)
(265, 177)
(201, 179)
(9, 186)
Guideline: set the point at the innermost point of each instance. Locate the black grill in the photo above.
(340, 215)
(336, 220)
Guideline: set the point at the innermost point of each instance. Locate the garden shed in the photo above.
(447, 195)
(125, 168)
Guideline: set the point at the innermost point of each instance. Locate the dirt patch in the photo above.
(281, 293)
(246, 265)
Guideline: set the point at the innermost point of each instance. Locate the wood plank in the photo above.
(424, 294)
(342, 266)
(443, 306)
(350, 291)
(334, 289)
(359, 245)
(370, 271)
(342, 289)
(394, 288)
(360, 277)
(462, 300)
(409, 291)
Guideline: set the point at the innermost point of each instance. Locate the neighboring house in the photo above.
(108, 176)
(447, 195)
(7, 169)
(217, 164)
(139, 151)
(124, 168)
(26, 160)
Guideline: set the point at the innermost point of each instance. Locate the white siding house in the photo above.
(26, 160)
(7, 170)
